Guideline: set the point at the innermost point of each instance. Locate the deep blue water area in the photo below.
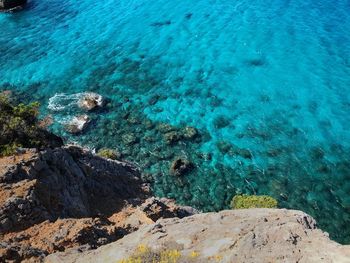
(266, 83)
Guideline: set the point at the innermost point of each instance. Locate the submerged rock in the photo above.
(153, 100)
(77, 124)
(172, 137)
(190, 133)
(164, 127)
(133, 119)
(205, 156)
(10, 4)
(221, 122)
(129, 139)
(148, 124)
(228, 148)
(90, 101)
(224, 147)
(180, 166)
(245, 153)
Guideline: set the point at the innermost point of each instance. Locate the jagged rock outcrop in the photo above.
(63, 183)
(77, 124)
(68, 197)
(250, 235)
(9, 4)
(90, 101)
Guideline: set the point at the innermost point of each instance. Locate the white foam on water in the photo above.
(64, 101)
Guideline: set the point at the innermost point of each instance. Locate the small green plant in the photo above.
(19, 127)
(108, 153)
(253, 201)
(9, 149)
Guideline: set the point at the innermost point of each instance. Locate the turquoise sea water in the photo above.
(269, 77)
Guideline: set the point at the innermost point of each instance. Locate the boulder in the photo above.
(77, 124)
(90, 101)
(10, 4)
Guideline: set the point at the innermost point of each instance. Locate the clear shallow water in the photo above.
(269, 77)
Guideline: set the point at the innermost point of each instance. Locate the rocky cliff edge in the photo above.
(249, 235)
(67, 197)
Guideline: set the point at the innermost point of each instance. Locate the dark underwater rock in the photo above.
(228, 148)
(221, 122)
(317, 153)
(153, 100)
(159, 24)
(190, 133)
(133, 120)
(164, 127)
(181, 166)
(129, 139)
(205, 156)
(256, 62)
(10, 4)
(273, 152)
(224, 147)
(148, 124)
(245, 153)
(172, 137)
(188, 15)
